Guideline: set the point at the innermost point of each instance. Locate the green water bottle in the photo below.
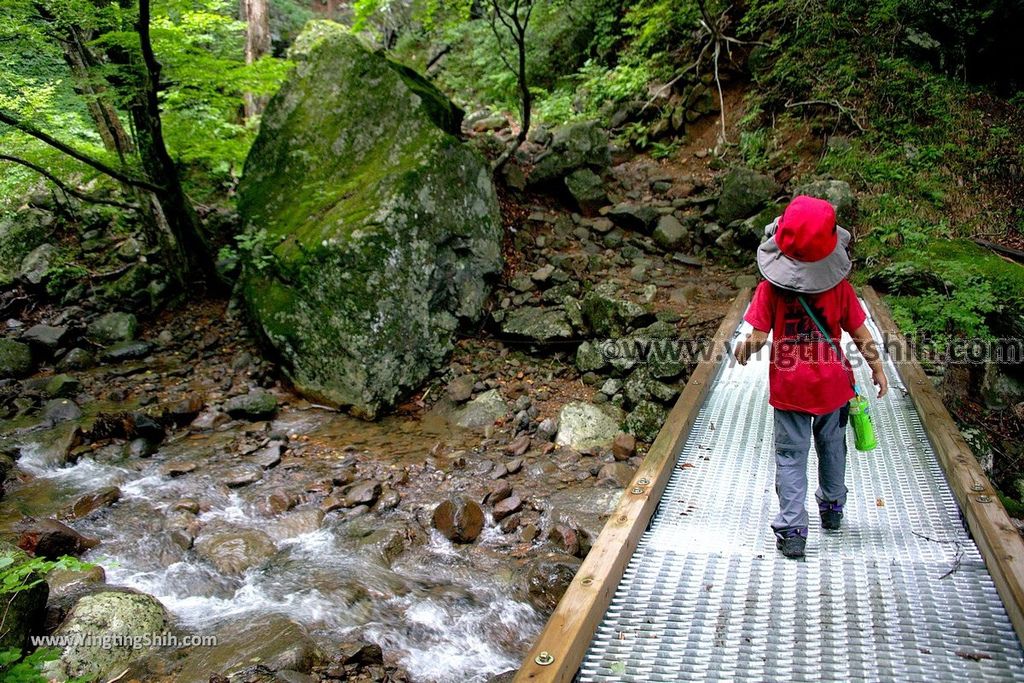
(863, 429)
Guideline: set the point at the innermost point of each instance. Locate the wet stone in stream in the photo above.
(507, 507)
(459, 519)
(269, 456)
(91, 502)
(50, 539)
(364, 493)
(242, 475)
(177, 468)
(233, 552)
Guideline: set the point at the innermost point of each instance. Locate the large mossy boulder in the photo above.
(378, 230)
(583, 144)
(106, 631)
(744, 192)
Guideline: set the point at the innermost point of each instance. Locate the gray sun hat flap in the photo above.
(809, 277)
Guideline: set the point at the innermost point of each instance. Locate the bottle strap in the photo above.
(824, 333)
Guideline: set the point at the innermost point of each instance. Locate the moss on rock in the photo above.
(20, 233)
(15, 359)
(383, 227)
(954, 286)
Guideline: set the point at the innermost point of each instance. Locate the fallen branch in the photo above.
(436, 58)
(929, 538)
(829, 103)
(1015, 254)
(956, 560)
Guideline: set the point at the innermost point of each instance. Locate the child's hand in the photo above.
(880, 381)
(742, 351)
(749, 346)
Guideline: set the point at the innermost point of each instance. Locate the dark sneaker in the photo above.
(831, 515)
(792, 545)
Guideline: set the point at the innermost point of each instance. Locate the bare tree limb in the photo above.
(721, 97)
(714, 29)
(829, 103)
(29, 129)
(63, 187)
(497, 36)
(441, 53)
(516, 22)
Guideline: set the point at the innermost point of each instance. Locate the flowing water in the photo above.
(444, 613)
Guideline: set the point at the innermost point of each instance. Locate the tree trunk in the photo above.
(177, 229)
(80, 59)
(108, 123)
(173, 225)
(516, 27)
(257, 44)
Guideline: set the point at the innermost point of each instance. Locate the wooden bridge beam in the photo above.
(997, 538)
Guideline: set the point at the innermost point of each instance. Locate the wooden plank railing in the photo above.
(997, 538)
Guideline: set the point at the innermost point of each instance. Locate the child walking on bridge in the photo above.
(804, 296)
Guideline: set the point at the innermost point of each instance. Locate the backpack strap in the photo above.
(824, 333)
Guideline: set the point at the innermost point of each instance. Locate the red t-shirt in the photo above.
(805, 375)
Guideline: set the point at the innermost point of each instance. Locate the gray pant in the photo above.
(793, 432)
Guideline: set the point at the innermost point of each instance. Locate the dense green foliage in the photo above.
(19, 573)
(886, 83)
(891, 85)
(883, 81)
(200, 46)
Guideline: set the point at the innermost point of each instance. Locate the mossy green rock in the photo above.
(590, 357)
(645, 421)
(537, 323)
(743, 193)
(587, 188)
(381, 227)
(257, 404)
(36, 264)
(114, 327)
(62, 386)
(15, 359)
(608, 316)
(583, 144)
(643, 386)
(102, 627)
(20, 233)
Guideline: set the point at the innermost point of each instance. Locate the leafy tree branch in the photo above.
(27, 128)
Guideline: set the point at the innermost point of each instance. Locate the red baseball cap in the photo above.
(807, 229)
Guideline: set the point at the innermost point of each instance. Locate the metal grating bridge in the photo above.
(901, 593)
